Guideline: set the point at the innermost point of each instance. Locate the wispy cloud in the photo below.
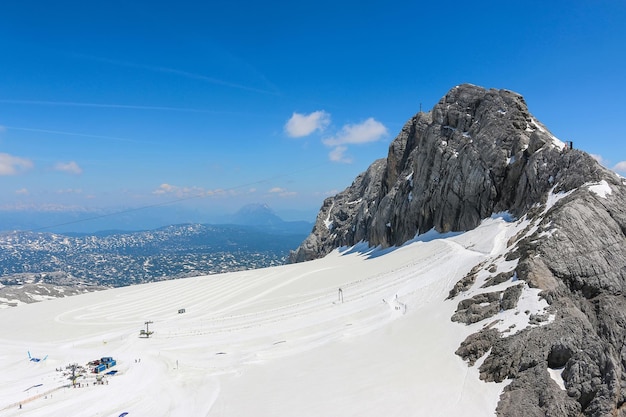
(300, 125)
(46, 207)
(368, 131)
(164, 189)
(70, 191)
(188, 192)
(22, 191)
(69, 168)
(58, 132)
(354, 134)
(107, 106)
(13, 165)
(186, 74)
(338, 154)
(281, 192)
(620, 167)
(207, 79)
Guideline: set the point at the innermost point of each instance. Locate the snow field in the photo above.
(270, 342)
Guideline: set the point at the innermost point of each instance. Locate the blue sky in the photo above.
(127, 104)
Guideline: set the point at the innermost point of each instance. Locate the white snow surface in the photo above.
(554, 198)
(270, 342)
(601, 189)
(556, 375)
(327, 221)
(555, 141)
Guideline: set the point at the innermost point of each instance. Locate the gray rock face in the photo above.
(476, 153)
(482, 306)
(577, 256)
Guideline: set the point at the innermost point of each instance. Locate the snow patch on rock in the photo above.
(601, 189)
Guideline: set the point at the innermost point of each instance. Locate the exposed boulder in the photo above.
(465, 283)
(484, 305)
(477, 308)
(534, 394)
(477, 345)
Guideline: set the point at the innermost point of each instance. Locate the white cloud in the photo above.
(70, 191)
(189, 192)
(105, 106)
(13, 165)
(179, 191)
(354, 134)
(281, 192)
(339, 155)
(2, 129)
(368, 131)
(620, 167)
(22, 191)
(300, 125)
(47, 207)
(164, 189)
(69, 168)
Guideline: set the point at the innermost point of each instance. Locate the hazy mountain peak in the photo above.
(256, 214)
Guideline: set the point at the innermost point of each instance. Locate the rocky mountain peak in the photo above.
(256, 214)
(478, 151)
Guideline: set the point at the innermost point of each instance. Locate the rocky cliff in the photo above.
(476, 152)
(479, 152)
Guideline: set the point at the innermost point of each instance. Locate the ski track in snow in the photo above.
(269, 342)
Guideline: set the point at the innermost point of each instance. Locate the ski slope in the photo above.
(269, 342)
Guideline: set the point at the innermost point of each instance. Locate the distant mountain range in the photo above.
(116, 258)
(261, 215)
(82, 220)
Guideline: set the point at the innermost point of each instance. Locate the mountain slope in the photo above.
(480, 152)
(477, 152)
(523, 314)
(269, 342)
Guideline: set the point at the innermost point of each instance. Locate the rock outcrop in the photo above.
(577, 257)
(479, 152)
